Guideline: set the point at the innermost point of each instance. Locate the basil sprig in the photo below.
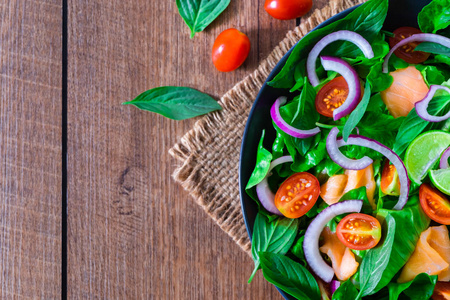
(177, 103)
(198, 14)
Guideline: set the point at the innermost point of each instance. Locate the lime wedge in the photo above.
(423, 153)
(441, 180)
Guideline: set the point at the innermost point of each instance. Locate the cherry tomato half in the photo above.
(434, 204)
(407, 52)
(332, 95)
(230, 50)
(390, 182)
(359, 231)
(297, 195)
(441, 291)
(287, 9)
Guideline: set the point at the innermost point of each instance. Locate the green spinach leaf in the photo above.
(366, 20)
(433, 48)
(421, 288)
(263, 159)
(359, 194)
(289, 276)
(357, 114)
(275, 237)
(177, 103)
(346, 291)
(198, 14)
(435, 16)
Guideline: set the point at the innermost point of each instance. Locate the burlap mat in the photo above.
(209, 153)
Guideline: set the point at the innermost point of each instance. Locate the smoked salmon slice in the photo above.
(407, 89)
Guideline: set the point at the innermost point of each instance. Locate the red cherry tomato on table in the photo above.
(230, 50)
(407, 52)
(287, 9)
(297, 195)
(390, 182)
(332, 95)
(434, 204)
(359, 231)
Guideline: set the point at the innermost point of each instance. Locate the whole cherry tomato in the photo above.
(297, 195)
(287, 9)
(407, 52)
(359, 231)
(230, 50)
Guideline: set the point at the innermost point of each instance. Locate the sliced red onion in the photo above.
(443, 163)
(315, 228)
(354, 87)
(334, 285)
(276, 117)
(336, 155)
(341, 159)
(419, 37)
(422, 105)
(265, 195)
(342, 35)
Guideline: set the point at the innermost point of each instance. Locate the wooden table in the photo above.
(88, 206)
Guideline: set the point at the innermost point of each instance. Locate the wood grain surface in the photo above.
(30, 149)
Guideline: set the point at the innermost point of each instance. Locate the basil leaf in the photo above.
(177, 103)
(381, 264)
(366, 20)
(289, 276)
(434, 16)
(346, 291)
(198, 14)
(414, 125)
(375, 261)
(433, 48)
(276, 237)
(421, 288)
(263, 159)
(379, 81)
(357, 114)
(431, 74)
(359, 194)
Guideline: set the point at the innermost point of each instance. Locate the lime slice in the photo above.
(423, 153)
(441, 180)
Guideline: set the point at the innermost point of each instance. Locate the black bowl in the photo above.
(400, 13)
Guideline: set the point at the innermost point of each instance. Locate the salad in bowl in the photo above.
(351, 175)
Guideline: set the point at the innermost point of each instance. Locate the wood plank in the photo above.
(132, 231)
(30, 149)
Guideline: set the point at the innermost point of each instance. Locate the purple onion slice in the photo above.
(295, 132)
(422, 105)
(334, 285)
(443, 163)
(336, 155)
(265, 195)
(342, 35)
(351, 77)
(419, 37)
(315, 228)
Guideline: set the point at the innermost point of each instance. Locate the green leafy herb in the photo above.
(431, 74)
(198, 14)
(421, 288)
(435, 16)
(379, 81)
(366, 20)
(275, 237)
(415, 125)
(289, 276)
(177, 103)
(357, 113)
(359, 194)
(346, 291)
(263, 159)
(433, 48)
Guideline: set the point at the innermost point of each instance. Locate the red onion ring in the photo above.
(422, 105)
(354, 87)
(334, 285)
(342, 35)
(276, 117)
(265, 195)
(419, 37)
(314, 230)
(443, 163)
(333, 146)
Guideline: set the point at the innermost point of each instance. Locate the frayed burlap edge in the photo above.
(209, 153)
